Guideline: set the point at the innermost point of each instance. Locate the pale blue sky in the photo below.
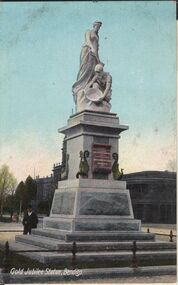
(40, 44)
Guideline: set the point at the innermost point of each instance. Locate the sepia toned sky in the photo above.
(40, 45)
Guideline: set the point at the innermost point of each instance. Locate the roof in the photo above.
(151, 174)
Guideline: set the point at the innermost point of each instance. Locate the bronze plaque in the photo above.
(101, 158)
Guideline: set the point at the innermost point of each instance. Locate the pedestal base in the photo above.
(92, 205)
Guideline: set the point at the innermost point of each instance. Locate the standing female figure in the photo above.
(89, 58)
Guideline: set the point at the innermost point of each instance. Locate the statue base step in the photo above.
(90, 224)
(90, 236)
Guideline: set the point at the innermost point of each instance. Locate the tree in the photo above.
(11, 204)
(30, 188)
(7, 185)
(20, 191)
(26, 192)
(21, 196)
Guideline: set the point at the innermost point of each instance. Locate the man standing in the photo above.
(30, 221)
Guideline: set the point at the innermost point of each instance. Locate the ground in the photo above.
(158, 228)
(146, 279)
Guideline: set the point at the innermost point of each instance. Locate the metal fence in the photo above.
(7, 262)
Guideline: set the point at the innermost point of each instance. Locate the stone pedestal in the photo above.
(97, 203)
(88, 130)
(92, 205)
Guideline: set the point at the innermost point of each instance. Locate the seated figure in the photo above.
(97, 93)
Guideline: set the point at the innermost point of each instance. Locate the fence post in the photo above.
(5, 262)
(171, 236)
(74, 251)
(134, 263)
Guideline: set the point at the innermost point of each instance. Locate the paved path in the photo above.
(142, 279)
(160, 228)
(15, 226)
(10, 226)
(147, 279)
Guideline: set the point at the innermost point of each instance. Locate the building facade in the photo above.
(44, 188)
(153, 195)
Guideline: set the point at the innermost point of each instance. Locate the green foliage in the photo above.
(7, 185)
(31, 188)
(21, 195)
(11, 204)
(20, 191)
(5, 219)
(26, 192)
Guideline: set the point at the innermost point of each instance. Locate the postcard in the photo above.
(88, 141)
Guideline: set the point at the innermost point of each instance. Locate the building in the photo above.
(47, 185)
(57, 168)
(45, 189)
(153, 195)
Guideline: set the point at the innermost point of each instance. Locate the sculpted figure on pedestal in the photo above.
(92, 90)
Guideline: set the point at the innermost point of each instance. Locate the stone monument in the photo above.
(92, 203)
(92, 196)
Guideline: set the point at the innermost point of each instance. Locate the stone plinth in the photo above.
(92, 205)
(97, 203)
(86, 131)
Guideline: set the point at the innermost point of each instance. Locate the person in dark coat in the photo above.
(30, 221)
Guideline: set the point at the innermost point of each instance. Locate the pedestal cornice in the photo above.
(94, 122)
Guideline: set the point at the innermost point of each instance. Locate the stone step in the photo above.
(93, 235)
(106, 257)
(42, 242)
(93, 257)
(51, 233)
(55, 244)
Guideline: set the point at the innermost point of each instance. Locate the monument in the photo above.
(92, 199)
(91, 203)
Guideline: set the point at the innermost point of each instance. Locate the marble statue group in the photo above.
(92, 90)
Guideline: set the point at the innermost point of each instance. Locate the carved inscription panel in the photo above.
(100, 203)
(63, 203)
(101, 158)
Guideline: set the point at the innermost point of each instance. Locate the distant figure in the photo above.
(15, 217)
(89, 58)
(30, 221)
